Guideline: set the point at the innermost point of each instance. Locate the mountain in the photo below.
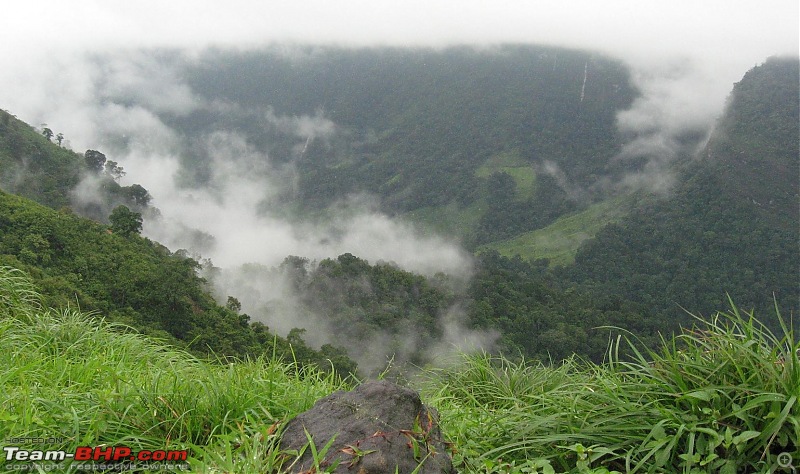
(104, 270)
(484, 136)
(370, 310)
(754, 149)
(730, 226)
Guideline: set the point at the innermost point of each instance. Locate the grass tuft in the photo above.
(720, 397)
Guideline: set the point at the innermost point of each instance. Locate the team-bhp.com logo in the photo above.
(105, 454)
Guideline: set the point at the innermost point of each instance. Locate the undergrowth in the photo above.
(720, 397)
(85, 382)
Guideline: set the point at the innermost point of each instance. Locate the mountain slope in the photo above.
(731, 225)
(32, 166)
(755, 146)
(418, 129)
(132, 280)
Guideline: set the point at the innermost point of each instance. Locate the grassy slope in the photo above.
(72, 376)
(723, 399)
(515, 166)
(451, 220)
(34, 167)
(559, 241)
(130, 280)
(461, 221)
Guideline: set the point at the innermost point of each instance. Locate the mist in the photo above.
(236, 220)
(107, 73)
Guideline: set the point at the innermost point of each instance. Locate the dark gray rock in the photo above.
(379, 427)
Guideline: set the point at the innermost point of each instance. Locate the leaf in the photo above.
(658, 432)
(704, 395)
(745, 436)
(728, 468)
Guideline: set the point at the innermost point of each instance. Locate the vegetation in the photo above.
(755, 149)
(134, 281)
(519, 167)
(720, 397)
(33, 167)
(541, 321)
(591, 378)
(559, 242)
(358, 302)
(79, 378)
(731, 224)
(418, 128)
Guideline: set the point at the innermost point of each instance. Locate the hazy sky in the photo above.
(730, 28)
(727, 37)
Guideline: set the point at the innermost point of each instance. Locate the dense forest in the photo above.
(729, 227)
(425, 132)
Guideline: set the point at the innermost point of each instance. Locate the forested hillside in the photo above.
(35, 165)
(731, 225)
(512, 306)
(481, 135)
(132, 280)
(378, 311)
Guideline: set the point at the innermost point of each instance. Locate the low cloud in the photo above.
(671, 120)
(303, 126)
(270, 295)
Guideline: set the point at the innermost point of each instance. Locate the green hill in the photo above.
(426, 132)
(80, 262)
(731, 225)
(559, 241)
(648, 258)
(755, 148)
(33, 166)
(132, 280)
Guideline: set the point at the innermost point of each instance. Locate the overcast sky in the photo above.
(727, 37)
(729, 28)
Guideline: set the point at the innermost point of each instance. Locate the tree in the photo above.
(114, 170)
(59, 138)
(125, 222)
(94, 160)
(138, 195)
(233, 304)
(47, 133)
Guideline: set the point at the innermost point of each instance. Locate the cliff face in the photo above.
(755, 147)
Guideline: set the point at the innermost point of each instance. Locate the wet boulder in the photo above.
(379, 427)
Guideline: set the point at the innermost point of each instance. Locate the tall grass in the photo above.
(720, 397)
(72, 376)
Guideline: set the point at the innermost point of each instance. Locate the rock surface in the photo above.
(379, 427)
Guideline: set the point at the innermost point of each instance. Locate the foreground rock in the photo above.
(378, 427)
